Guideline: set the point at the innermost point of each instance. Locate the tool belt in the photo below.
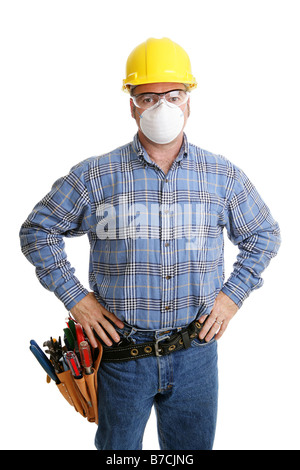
(82, 393)
(80, 389)
(73, 367)
(126, 350)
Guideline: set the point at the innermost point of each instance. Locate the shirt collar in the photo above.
(142, 154)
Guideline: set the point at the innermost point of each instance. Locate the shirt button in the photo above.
(167, 244)
(168, 277)
(166, 180)
(167, 307)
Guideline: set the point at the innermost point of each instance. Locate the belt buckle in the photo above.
(156, 345)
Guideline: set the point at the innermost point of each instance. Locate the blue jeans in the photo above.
(183, 387)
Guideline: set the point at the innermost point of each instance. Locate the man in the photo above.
(154, 211)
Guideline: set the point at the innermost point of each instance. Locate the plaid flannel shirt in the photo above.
(156, 240)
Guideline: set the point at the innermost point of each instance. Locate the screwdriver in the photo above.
(73, 364)
(86, 357)
(75, 367)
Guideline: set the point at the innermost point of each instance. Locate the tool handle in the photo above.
(44, 362)
(86, 357)
(79, 333)
(73, 364)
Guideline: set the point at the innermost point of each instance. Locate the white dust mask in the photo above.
(162, 123)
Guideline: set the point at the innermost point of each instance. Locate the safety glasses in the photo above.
(148, 100)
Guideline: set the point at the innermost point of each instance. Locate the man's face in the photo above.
(158, 88)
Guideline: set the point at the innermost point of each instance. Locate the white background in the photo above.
(62, 65)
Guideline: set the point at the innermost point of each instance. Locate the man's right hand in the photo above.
(92, 316)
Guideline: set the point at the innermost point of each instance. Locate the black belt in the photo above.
(126, 350)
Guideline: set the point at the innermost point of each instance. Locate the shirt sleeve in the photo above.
(64, 212)
(251, 227)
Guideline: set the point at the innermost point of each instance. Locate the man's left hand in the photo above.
(216, 323)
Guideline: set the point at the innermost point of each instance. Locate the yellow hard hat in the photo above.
(157, 61)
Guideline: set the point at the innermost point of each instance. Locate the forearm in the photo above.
(252, 228)
(46, 252)
(62, 212)
(255, 254)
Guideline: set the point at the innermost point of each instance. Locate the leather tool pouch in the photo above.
(82, 393)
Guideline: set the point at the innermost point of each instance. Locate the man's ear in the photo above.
(132, 108)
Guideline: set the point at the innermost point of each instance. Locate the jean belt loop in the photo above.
(129, 335)
(156, 345)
